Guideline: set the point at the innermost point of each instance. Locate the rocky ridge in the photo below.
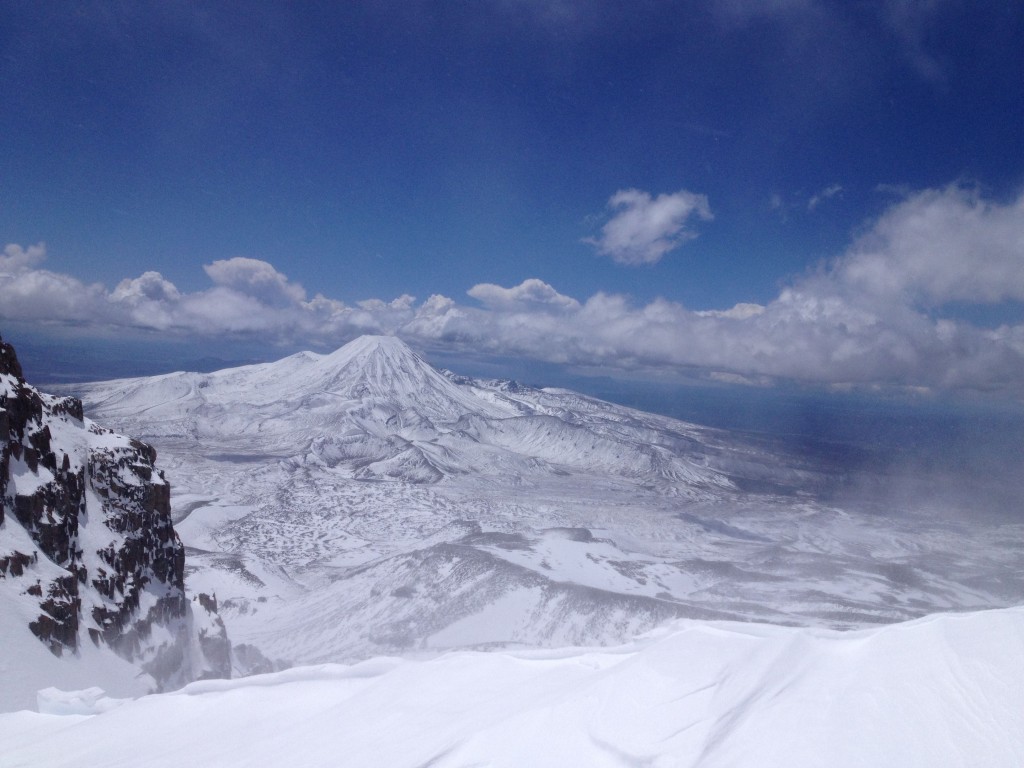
(85, 525)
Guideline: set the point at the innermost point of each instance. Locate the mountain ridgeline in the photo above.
(87, 544)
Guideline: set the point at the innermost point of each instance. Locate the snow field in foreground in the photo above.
(945, 690)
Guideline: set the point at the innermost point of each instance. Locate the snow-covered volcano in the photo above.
(363, 502)
(375, 408)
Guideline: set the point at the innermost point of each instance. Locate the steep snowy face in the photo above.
(382, 367)
(86, 540)
(383, 370)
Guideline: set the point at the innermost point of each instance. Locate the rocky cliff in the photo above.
(85, 526)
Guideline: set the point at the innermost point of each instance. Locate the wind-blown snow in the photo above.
(941, 691)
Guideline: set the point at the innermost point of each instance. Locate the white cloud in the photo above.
(874, 316)
(39, 295)
(740, 311)
(809, 333)
(257, 279)
(16, 259)
(643, 229)
(941, 245)
(150, 300)
(857, 322)
(529, 292)
(403, 302)
(248, 297)
(149, 286)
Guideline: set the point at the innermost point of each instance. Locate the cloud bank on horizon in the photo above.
(875, 315)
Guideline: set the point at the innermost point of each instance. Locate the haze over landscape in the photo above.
(658, 364)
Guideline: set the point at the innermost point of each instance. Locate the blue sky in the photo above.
(826, 192)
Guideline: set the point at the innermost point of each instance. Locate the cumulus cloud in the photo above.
(531, 292)
(15, 258)
(149, 286)
(642, 229)
(39, 295)
(862, 320)
(403, 302)
(942, 245)
(257, 279)
(875, 315)
(248, 297)
(150, 300)
(810, 332)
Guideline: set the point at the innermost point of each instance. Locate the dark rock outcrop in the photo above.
(62, 476)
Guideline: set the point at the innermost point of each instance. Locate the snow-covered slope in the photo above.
(91, 571)
(941, 692)
(358, 503)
